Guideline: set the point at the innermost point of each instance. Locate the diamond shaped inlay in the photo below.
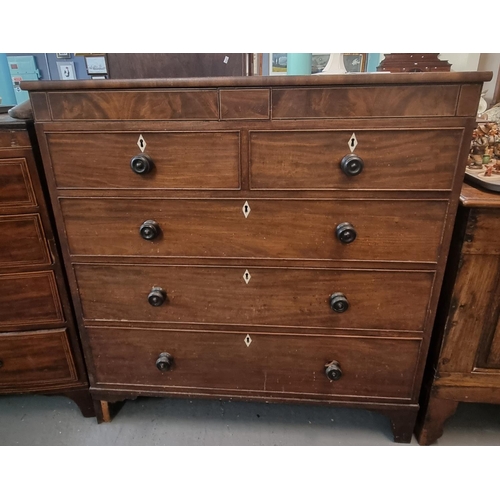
(141, 142)
(248, 340)
(246, 276)
(353, 142)
(246, 209)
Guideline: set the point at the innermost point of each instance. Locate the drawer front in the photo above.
(483, 232)
(280, 229)
(16, 189)
(365, 102)
(393, 159)
(35, 358)
(245, 104)
(191, 160)
(393, 300)
(135, 105)
(22, 241)
(28, 299)
(279, 364)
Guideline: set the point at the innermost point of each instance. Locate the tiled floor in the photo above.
(40, 420)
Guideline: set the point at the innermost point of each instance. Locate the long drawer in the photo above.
(393, 159)
(274, 229)
(35, 358)
(271, 364)
(28, 299)
(395, 300)
(180, 160)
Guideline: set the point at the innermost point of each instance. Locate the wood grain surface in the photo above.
(275, 229)
(280, 297)
(373, 367)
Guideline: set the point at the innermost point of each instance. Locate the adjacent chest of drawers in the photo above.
(39, 347)
(464, 361)
(275, 239)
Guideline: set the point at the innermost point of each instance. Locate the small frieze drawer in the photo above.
(264, 296)
(146, 160)
(245, 104)
(271, 364)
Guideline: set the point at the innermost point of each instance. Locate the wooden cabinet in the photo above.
(273, 239)
(39, 346)
(464, 363)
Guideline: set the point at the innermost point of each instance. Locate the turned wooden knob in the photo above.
(338, 302)
(157, 296)
(345, 232)
(164, 362)
(149, 230)
(333, 371)
(141, 164)
(351, 165)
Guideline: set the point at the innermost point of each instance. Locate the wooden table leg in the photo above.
(106, 411)
(431, 421)
(403, 423)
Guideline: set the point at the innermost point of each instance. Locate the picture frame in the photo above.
(277, 63)
(96, 65)
(63, 56)
(354, 63)
(66, 70)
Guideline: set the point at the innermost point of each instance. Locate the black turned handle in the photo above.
(338, 302)
(141, 164)
(351, 165)
(345, 232)
(1, 363)
(149, 230)
(333, 371)
(164, 362)
(157, 296)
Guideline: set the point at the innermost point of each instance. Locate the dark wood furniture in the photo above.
(123, 66)
(39, 346)
(413, 63)
(465, 360)
(280, 239)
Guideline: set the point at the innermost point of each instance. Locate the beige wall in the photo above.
(490, 62)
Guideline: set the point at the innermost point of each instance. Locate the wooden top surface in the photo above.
(266, 81)
(6, 121)
(474, 197)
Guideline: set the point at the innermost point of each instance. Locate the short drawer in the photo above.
(393, 300)
(35, 359)
(29, 299)
(393, 159)
(263, 363)
(191, 160)
(16, 188)
(395, 230)
(22, 241)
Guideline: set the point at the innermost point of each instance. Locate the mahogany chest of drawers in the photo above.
(39, 346)
(464, 361)
(279, 239)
